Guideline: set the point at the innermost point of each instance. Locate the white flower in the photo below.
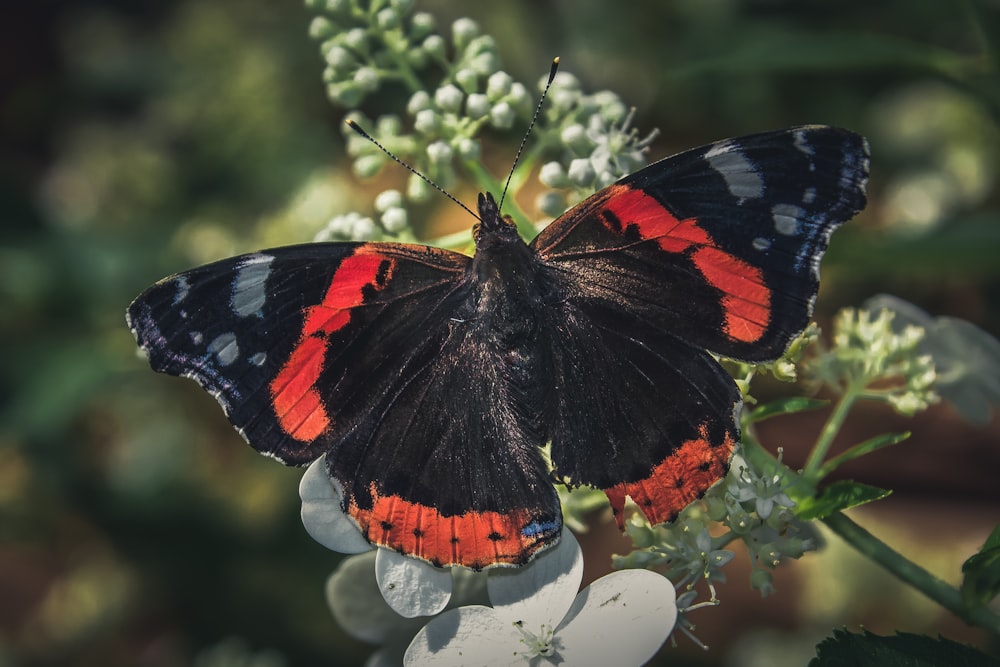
(354, 598)
(537, 617)
(410, 586)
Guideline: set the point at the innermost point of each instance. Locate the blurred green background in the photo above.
(141, 137)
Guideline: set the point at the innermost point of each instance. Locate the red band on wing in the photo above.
(677, 481)
(474, 539)
(296, 402)
(747, 300)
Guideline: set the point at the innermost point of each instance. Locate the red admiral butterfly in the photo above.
(432, 380)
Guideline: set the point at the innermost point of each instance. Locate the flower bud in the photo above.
(468, 149)
(421, 24)
(463, 30)
(419, 101)
(394, 220)
(434, 45)
(387, 19)
(367, 79)
(476, 106)
(551, 204)
(498, 85)
(356, 39)
(427, 121)
(553, 175)
(439, 153)
(367, 166)
(321, 28)
(388, 199)
(502, 116)
(467, 80)
(449, 98)
(581, 172)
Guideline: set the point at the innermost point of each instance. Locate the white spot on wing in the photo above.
(196, 337)
(786, 218)
(249, 293)
(801, 142)
(183, 287)
(809, 196)
(740, 174)
(225, 349)
(865, 165)
(258, 359)
(760, 243)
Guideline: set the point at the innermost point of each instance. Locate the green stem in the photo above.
(829, 432)
(911, 573)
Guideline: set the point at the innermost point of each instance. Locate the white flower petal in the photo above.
(358, 606)
(541, 591)
(322, 514)
(410, 586)
(472, 636)
(620, 619)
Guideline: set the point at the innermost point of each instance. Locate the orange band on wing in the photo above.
(297, 404)
(475, 539)
(677, 481)
(746, 303)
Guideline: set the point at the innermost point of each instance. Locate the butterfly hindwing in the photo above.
(719, 245)
(447, 467)
(640, 413)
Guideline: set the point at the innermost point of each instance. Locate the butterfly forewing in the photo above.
(718, 245)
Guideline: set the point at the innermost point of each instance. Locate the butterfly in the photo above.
(433, 382)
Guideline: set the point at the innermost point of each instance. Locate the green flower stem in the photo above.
(811, 471)
(911, 573)
(405, 73)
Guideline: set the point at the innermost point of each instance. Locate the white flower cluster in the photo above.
(749, 506)
(600, 144)
(868, 354)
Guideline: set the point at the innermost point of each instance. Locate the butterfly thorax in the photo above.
(507, 280)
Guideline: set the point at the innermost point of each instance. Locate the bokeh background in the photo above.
(142, 137)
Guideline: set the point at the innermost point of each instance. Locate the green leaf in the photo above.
(866, 447)
(784, 406)
(982, 573)
(838, 496)
(902, 650)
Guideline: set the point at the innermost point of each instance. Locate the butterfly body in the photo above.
(431, 380)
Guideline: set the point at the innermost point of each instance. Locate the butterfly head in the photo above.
(492, 226)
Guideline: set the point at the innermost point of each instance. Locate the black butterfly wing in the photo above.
(640, 413)
(718, 245)
(716, 248)
(266, 333)
(347, 349)
(465, 482)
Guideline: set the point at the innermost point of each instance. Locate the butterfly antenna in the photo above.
(531, 125)
(357, 128)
